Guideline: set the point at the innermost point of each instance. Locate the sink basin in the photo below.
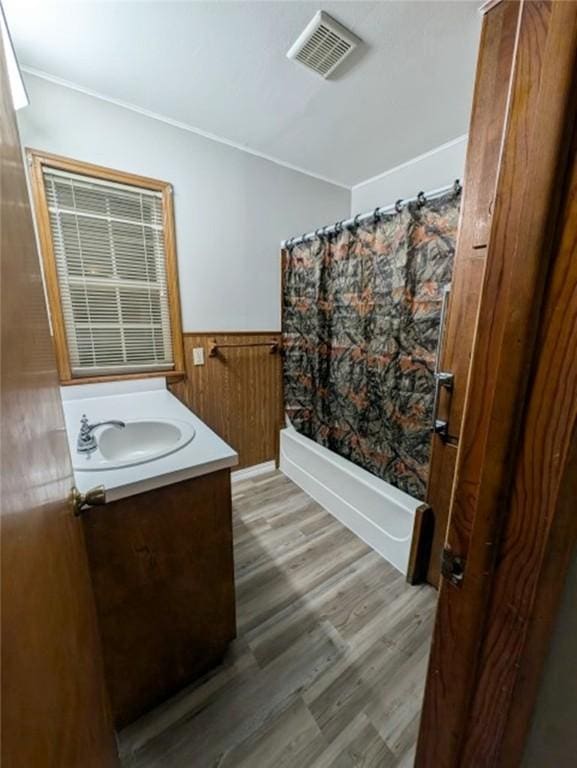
(138, 442)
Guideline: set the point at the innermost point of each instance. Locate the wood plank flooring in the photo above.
(329, 665)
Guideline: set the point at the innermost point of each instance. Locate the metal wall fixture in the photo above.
(443, 379)
(215, 347)
(421, 199)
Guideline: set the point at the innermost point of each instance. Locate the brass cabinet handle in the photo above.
(95, 497)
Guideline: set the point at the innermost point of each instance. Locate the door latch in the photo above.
(452, 567)
(441, 428)
(95, 497)
(445, 379)
(442, 379)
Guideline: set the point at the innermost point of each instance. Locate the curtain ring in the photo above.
(399, 205)
(457, 187)
(421, 199)
(319, 232)
(376, 214)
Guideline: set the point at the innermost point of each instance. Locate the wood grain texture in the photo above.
(540, 109)
(170, 376)
(440, 485)
(99, 171)
(328, 667)
(421, 541)
(172, 286)
(541, 528)
(485, 135)
(54, 706)
(488, 5)
(37, 161)
(237, 393)
(162, 572)
(49, 269)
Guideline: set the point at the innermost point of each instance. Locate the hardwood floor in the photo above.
(329, 665)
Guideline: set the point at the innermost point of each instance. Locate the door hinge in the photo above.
(452, 567)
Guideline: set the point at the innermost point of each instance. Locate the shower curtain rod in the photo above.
(362, 217)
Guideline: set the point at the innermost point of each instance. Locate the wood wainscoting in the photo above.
(238, 392)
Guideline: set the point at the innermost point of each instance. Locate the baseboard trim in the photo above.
(257, 469)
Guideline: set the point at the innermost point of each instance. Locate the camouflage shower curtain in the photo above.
(361, 312)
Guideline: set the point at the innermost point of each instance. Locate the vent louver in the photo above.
(323, 45)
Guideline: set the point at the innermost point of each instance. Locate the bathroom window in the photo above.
(107, 241)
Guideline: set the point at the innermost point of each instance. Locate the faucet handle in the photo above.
(83, 423)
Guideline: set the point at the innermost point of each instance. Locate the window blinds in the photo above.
(108, 244)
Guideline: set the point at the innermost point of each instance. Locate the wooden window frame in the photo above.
(37, 160)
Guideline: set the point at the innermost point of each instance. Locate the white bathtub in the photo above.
(374, 510)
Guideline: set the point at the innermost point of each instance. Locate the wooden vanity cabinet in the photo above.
(163, 577)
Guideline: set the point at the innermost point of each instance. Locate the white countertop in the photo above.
(141, 399)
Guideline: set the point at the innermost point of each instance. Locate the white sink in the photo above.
(139, 441)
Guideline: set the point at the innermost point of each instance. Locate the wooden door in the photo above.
(54, 706)
(485, 133)
(512, 517)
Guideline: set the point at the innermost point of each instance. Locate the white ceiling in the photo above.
(221, 68)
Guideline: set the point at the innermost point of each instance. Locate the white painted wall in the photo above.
(434, 169)
(232, 208)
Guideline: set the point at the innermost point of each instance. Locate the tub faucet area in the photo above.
(86, 442)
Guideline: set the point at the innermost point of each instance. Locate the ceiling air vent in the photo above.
(323, 44)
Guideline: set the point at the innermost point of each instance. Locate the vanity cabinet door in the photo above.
(163, 576)
(54, 705)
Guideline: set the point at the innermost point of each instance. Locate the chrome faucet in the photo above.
(86, 442)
